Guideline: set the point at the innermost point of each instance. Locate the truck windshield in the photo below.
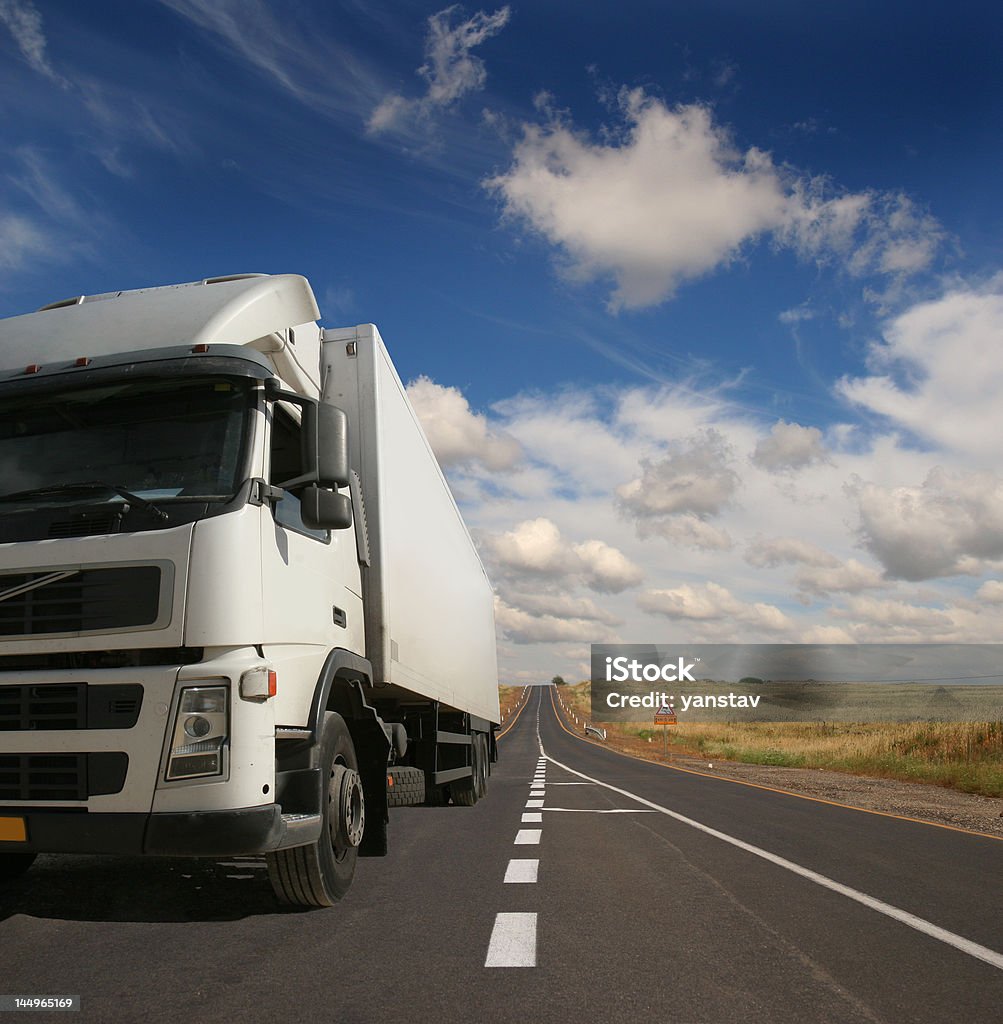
(159, 439)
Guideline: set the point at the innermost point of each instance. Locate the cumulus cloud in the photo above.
(991, 592)
(711, 603)
(456, 433)
(536, 547)
(869, 232)
(768, 554)
(696, 479)
(688, 531)
(606, 569)
(947, 526)
(937, 371)
(450, 70)
(789, 447)
(671, 197)
(890, 613)
(820, 572)
(669, 200)
(523, 627)
(850, 577)
(24, 22)
(563, 606)
(533, 546)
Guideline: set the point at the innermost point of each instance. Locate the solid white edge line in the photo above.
(513, 941)
(973, 949)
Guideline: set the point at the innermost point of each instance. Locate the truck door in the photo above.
(311, 583)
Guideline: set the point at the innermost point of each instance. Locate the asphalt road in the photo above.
(659, 896)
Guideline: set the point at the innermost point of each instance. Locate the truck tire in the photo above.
(14, 865)
(466, 792)
(318, 875)
(408, 789)
(482, 777)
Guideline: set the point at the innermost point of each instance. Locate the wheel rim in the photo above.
(346, 810)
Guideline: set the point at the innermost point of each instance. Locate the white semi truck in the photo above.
(239, 610)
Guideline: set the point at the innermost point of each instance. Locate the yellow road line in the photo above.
(774, 789)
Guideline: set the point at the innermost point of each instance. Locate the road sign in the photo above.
(665, 716)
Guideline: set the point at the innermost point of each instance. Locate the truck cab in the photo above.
(194, 626)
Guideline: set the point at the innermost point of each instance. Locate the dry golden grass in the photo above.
(509, 697)
(961, 755)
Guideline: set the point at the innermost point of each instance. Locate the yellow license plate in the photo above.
(12, 830)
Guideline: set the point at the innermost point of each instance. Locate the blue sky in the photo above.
(701, 301)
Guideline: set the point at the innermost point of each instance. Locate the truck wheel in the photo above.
(318, 875)
(408, 789)
(14, 865)
(466, 791)
(482, 775)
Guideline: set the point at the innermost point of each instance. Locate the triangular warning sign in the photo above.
(665, 710)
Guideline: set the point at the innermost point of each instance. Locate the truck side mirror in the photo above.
(325, 510)
(325, 443)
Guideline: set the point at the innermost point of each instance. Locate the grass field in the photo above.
(509, 697)
(961, 755)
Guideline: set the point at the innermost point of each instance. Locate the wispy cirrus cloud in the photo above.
(451, 70)
(284, 46)
(24, 22)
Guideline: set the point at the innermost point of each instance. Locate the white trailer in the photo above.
(239, 609)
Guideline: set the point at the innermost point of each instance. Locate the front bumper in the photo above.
(220, 833)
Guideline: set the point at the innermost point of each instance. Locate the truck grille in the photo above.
(46, 706)
(39, 777)
(68, 601)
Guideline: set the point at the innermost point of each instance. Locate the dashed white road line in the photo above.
(534, 803)
(528, 837)
(513, 941)
(522, 871)
(532, 817)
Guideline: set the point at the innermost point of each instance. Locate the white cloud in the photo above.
(820, 572)
(536, 547)
(947, 526)
(687, 530)
(991, 592)
(894, 613)
(456, 433)
(671, 200)
(768, 554)
(607, 569)
(533, 546)
(21, 241)
(670, 197)
(789, 447)
(521, 627)
(848, 578)
(786, 556)
(696, 479)
(711, 602)
(563, 606)
(937, 371)
(24, 22)
(283, 44)
(450, 70)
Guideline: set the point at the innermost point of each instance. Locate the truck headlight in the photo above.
(200, 732)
